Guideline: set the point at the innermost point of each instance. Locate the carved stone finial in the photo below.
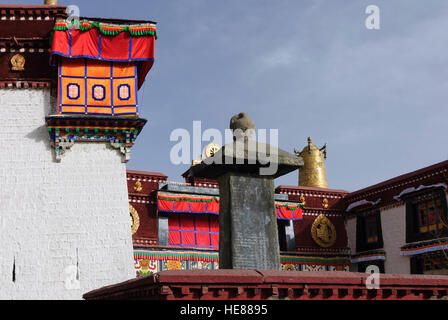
(246, 155)
(241, 121)
(242, 126)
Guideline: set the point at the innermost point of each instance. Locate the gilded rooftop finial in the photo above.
(312, 174)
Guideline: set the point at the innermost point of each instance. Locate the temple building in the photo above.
(399, 225)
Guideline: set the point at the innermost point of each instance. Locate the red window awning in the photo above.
(107, 42)
(185, 203)
(289, 211)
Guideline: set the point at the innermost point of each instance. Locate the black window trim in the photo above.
(361, 232)
(412, 232)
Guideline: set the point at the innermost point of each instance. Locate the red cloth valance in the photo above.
(92, 43)
(183, 203)
(289, 211)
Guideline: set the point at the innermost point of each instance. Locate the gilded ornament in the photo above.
(195, 162)
(325, 203)
(323, 231)
(289, 267)
(302, 199)
(18, 62)
(174, 265)
(135, 220)
(312, 174)
(138, 186)
(211, 149)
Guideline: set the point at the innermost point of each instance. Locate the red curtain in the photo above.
(194, 231)
(288, 214)
(179, 204)
(92, 44)
(182, 204)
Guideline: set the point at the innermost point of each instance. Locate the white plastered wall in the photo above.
(393, 225)
(58, 221)
(350, 226)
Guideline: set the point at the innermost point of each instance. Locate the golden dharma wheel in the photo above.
(211, 149)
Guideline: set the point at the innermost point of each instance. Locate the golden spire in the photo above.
(312, 174)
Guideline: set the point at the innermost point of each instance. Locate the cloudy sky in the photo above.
(378, 98)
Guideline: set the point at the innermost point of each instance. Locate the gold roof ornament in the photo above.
(323, 232)
(18, 63)
(312, 174)
(138, 186)
(195, 162)
(209, 151)
(302, 199)
(135, 219)
(325, 203)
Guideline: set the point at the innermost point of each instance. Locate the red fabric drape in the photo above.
(289, 212)
(284, 213)
(186, 206)
(92, 44)
(193, 231)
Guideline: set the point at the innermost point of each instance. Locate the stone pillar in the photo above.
(248, 234)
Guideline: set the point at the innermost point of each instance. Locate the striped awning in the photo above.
(368, 256)
(205, 204)
(315, 260)
(289, 211)
(106, 42)
(186, 203)
(201, 255)
(190, 255)
(424, 247)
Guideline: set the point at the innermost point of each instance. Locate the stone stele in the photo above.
(245, 169)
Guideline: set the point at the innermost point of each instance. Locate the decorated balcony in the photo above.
(101, 66)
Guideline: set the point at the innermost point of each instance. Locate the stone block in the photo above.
(248, 237)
